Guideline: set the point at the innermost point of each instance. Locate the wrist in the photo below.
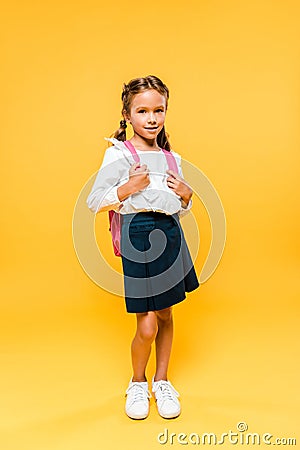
(186, 198)
(184, 203)
(125, 190)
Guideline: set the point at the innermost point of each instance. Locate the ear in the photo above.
(126, 116)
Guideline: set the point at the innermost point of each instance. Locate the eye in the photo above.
(142, 110)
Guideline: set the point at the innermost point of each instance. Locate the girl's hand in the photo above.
(179, 186)
(139, 176)
(138, 179)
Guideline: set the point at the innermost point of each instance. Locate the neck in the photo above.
(144, 143)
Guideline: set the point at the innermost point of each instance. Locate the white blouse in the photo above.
(114, 172)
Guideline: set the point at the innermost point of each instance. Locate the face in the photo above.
(147, 114)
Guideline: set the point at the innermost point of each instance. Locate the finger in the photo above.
(140, 170)
(136, 164)
(172, 173)
(176, 175)
(172, 188)
(171, 179)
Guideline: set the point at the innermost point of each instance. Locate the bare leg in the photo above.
(141, 344)
(163, 342)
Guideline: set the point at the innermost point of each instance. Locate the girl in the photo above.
(156, 262)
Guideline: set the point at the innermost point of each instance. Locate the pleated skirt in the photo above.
(157, 265)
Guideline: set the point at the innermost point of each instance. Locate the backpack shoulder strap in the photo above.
(171, 160)
(133, 151)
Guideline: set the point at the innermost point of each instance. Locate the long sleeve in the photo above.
(183, 210)
(110, 176)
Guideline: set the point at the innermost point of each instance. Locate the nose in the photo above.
(151, 117)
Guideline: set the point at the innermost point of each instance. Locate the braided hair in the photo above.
(134, 87)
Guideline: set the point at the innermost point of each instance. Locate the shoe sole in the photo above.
(137, 417)
(169, 417)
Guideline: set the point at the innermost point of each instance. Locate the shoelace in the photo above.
(165, 391)
(138, 392)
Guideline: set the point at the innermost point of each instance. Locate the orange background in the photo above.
(232, 68)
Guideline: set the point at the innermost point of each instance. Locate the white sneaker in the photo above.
(137, 401)
(166, 399)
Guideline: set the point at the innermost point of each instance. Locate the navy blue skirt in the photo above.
(157, 265)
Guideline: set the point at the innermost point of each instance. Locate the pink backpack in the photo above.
(115, 217)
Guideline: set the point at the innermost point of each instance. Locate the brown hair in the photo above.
(136, 86)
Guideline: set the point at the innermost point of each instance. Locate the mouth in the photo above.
(151, 128)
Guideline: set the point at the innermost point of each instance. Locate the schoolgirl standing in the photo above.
(157, 266)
